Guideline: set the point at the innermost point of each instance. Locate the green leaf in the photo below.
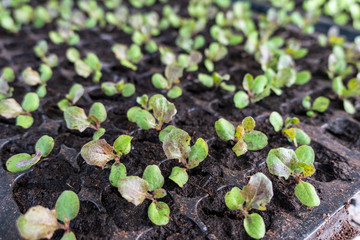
(9, 108)
(118, 171)
(276, 121)
(72, 54)
(82, 69)
(75, 93)
(254, 226)
(24, 121)
(153, 176)
(142, 118)
(255, 140)
(21, 162)
(38, 223)
(240, 148)
(286, 76)
(301, 137)
(198, 153)
(159, 81)
(143, 100)
(64, 104)
(175, 92)
(248, 124)
(45, 73)
(99, 133)
(45, 145)
(128, 90)
(122, 144)
(176, 144)
(234, 199)
(241, 99)
(31, 77)
(279, 162)
(306, 102)
(41, 91)
(134, 189)
(302, 77)
(179, 176)
(163, 110)
(99, 111)
(258, 192)
(349, 107)
(305, 154)
(173, 72)
(76, 118)
(259, 84)
(307, 195)
(159, 213)
(321, 104)
(206, 79)
(97, 153)
(67, 206)
(132, 112)
(31, 102)
(68, 236)
(224, 129)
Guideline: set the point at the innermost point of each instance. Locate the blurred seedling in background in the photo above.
(75, 93)
(6, 76)
(173, 73)
(34, 78)
(41, 51)
(125, 89)
(128, 56)
(320, 104)
(216, 80)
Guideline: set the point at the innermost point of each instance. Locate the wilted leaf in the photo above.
(240, 148)
(97, 152)
(31, 77)
(152, 174)
(224, 129)
(307, 195)
(279, 162)
(134, 189)
(67, 206)
(76, 118)
(248, 124)
(9, 108)
(163, 110)
(234, 199)
(176, 144)
(159, 213)
(82, 69)
(173, 72)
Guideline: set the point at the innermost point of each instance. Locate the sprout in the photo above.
(173, 73)
(255, 195)
(9, 108)
(33, 78)
(125, 89)
(176, 145)
(225, 36)
(162, 110)
(217, 80)
(41, 50)
(345, 92)
(128, 57)
(6, 77)
(284, 162)
(40, 222)
(135, 190)
(75, 93)
(214, 53)
(76, 118)
(319, 105)
(23, 161)
(245, 137)
(65, 33)
(295, 135)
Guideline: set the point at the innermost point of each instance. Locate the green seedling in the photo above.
(96, 15)
(75, 93)
(125, 89)
(162, 110)
(225, 36)
(84, 68)
(41, 49)
(10, 108)
(284, 162)
(214, 53)
(40, 222)
(346, 92)
(23, 161)
(142, 3)
(176, 145)
(34, 78)
(128, 57)
(65, 33)
(173, 73)
(6, 77)
(7, 22)
(76, 118)
(245, 137)
(216, 80)
(189, 62)
(319, 105)
(135, 190)
(293, 134)
(255, 195)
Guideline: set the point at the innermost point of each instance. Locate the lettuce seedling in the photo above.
(284, 162)
(41, 49)
(76, 118)
(255, 195)
(319, 105)
(245, 137)
(162, 110)
(33, 78)
(173, 73)
(225, 36)
(346, 92)
(23, 161)
(75, 93)
(217, 80)
(214, 53)
(40, 222)
(65, 33)
(128, 57)
(84, 68)
(10, 108)
(125, 89)
(135, 190)
(176, 145)
(6, 77)
(295, 135)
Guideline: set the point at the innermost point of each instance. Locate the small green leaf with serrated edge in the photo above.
(38, 223)
(24, 121)
(134, 189)
(321, 104)
(276, 121)
(118, 171)
(305, 154)
(176, 144)
(76, 118)
(255, 140)
(241, 99)
(165, 131)
(301, 137)
(21, 162)
(307, 195)
(234, 199)
(68, 236)
(97, 152)
(224, 129)
(159, 213)
(152, 174)
(9, 108)
(279, 162)
(45, 145)
(98, 110)
(31, 102)
(122, 144)
(67, 206)
(179, 176)
(240, 148)
(254, 226)
(198, 153)
(248, 124)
